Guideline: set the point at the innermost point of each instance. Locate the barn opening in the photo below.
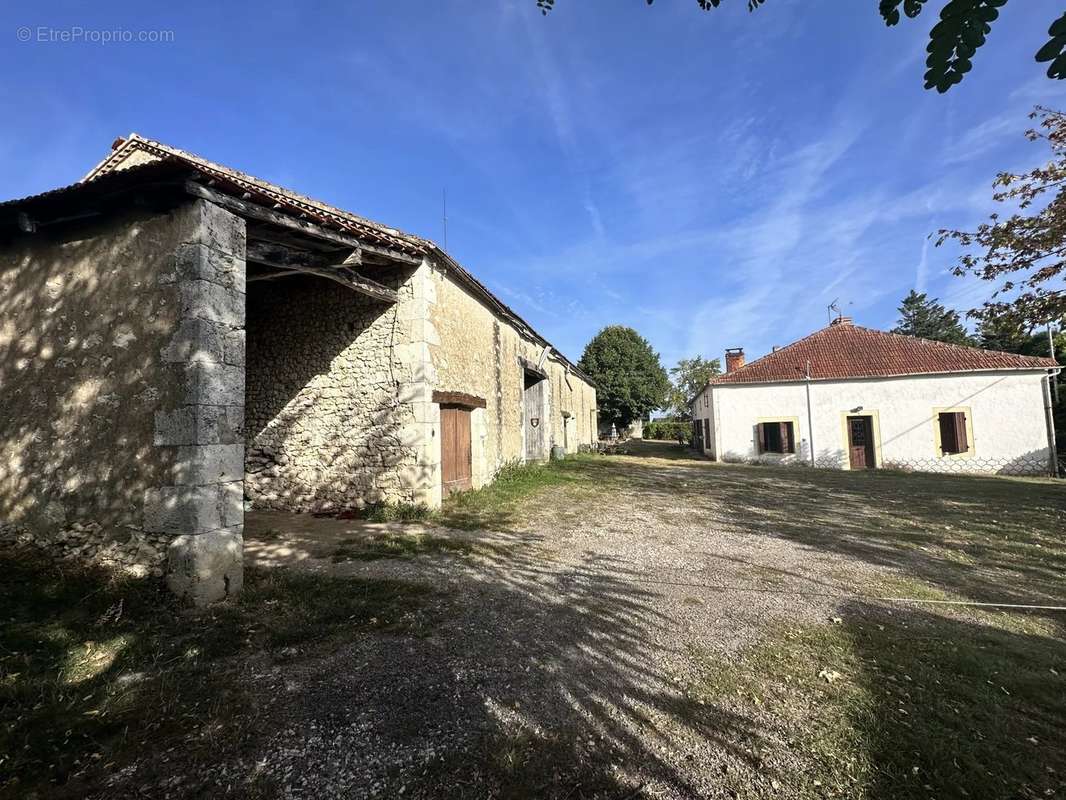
(322, 409)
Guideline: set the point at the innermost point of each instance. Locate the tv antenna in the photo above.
(835, 306)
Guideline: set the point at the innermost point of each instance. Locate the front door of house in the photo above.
(861, 443)
(455, 449)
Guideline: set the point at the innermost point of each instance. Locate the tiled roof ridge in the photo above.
(163, 150)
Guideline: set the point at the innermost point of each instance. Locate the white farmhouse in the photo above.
(849, 397)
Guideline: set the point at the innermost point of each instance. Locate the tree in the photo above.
(631, 382)
(689, 377)
(1026, 252)
(927, 319)
(1009, 335)
(953, 40)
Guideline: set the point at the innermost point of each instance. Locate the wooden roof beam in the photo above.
(334, 267)
(254, 211)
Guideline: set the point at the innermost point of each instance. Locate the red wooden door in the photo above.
(860, 443)
(455, 449)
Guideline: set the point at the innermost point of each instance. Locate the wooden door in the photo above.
(455, 449)
(861, 443)
(536, 424)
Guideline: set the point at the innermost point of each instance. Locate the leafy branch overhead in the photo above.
(1025, 252)
(953, 40)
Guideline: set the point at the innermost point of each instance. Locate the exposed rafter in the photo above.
(332, 266)
(249, 210)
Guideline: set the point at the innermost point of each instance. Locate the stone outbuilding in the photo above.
(180, 341)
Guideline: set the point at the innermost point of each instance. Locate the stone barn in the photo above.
(180, 341)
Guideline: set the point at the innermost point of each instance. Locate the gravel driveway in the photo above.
(560, 654)
(557, 657)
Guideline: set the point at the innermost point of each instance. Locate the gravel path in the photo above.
(554, 666)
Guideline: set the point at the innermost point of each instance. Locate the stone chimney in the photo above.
(842, 320)
(734, 358)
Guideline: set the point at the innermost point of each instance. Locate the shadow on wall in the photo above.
(84, 316)
(325, 424)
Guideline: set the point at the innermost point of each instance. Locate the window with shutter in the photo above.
(953, 435)
(776, 437)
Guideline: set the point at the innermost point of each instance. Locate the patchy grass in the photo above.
(902, 704)
(499, 506)
(397, 512)
(404, 545)
(96, 672)
(522, 764)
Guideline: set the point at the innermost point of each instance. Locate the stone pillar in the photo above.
(202, 505)
(422, 434)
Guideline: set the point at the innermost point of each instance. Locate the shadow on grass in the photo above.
(905, 703)
(98, 671)
(404, 545)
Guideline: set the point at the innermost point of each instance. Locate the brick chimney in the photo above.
(734, 358)
(842, 320)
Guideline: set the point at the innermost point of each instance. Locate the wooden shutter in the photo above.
(760, 436)
(961, 443)
(953, 432)
(947, 432)
(786, 437)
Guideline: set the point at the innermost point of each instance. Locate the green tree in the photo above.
(924, 317)
(689, 377)
(1011, 336)
(631, 381)
(1025, 254)
(953, 40)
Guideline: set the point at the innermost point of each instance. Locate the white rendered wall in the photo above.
(703, 409)
(1005, 411)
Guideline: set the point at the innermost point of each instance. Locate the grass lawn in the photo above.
(502, 504)
(94, 671)
(887, 703)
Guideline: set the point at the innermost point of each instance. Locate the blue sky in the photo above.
(711, 179)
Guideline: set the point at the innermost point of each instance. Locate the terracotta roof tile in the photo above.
(842, 351)
(264, 191)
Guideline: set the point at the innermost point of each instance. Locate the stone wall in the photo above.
(476, 352)
(120, 345)
(326, 424)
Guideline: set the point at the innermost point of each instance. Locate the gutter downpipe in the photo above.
(1049, 417)
(810, 422)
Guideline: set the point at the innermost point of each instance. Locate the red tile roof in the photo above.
(264, 192)
(844, 350)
